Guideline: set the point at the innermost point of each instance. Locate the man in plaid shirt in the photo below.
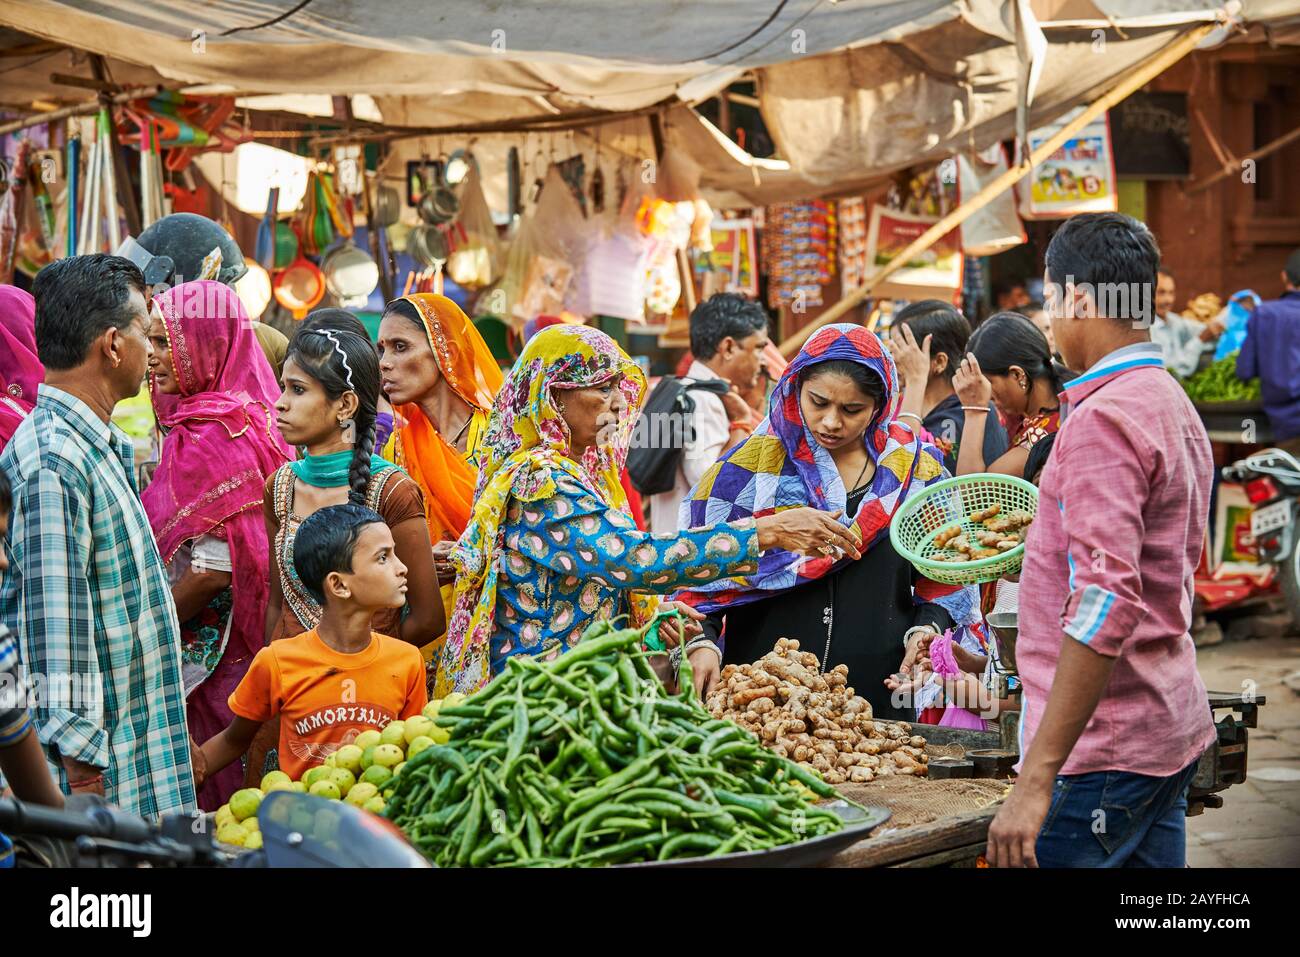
(87, 592)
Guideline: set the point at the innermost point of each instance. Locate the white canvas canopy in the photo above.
(850, 91)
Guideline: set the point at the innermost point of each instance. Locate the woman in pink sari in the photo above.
(20, 369)
(215, 394)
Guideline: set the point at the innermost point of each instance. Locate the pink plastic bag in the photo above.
(945, 666)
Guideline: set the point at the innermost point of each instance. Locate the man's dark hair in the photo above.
(1004, 286)
(1037, 459)
(1292, 268)
(724, 314)
(77, 300)
(1164, 270)
(6, 495)
(325, 543)
(948, 329)
(1107, 250)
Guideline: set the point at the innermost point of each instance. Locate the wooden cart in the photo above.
(959, 839)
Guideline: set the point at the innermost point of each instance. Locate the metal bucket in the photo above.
(1006, 628)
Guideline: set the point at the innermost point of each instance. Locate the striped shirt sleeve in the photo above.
(1104, 488)
(15, 722)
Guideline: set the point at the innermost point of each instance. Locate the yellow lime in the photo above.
(367, 739)
(376, 774)
(224, 816)
(375, 805)
(254, 841)
(394, 733)
(318, 773)
(343, 779)
(453, 699)
(244, 804)
(329, 762)
(432, 708)
(299, 787)
(417, 727)
(418, 745)
(272, 778)
(361, 793)
(398, 769)
(439, 734)
(388, 755)
(234, 834)
(348, 757)
(325, 789)
(251, 823)
(368, 756)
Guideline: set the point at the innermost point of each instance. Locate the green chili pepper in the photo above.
(471, 827)
(700, 842)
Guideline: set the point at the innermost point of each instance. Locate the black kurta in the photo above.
(856, 616)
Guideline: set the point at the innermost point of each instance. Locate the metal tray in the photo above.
(1234, 405)
(858, 823)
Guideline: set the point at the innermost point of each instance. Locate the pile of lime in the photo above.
(359, 773)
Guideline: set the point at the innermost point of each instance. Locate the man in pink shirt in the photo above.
(1115, 716)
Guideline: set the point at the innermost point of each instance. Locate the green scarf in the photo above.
(331, 471)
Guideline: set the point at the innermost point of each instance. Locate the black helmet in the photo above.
(180, 242)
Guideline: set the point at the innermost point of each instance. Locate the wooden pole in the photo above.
(81, 109)
(1129, 84)
(121, 175)
(1231, 165)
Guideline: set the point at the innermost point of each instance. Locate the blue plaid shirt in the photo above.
(87, 596)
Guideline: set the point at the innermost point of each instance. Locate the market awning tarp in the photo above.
(850, 91)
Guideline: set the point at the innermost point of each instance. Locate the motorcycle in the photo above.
(298, 830)
(1271, 479)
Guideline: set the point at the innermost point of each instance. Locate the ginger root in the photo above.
(816, 718)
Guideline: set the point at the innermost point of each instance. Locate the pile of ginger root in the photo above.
(814, 718)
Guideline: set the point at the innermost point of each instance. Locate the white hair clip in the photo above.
(349, 425)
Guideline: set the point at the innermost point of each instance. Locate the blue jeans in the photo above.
(1116, 819)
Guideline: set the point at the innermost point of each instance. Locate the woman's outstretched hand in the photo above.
(808, 531)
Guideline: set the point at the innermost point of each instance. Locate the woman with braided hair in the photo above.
(328, 409)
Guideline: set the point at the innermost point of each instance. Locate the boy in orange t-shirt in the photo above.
(340, 679)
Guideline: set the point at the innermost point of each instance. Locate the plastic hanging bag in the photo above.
(997, 227)
(1235, 316)
(555, 231)
(476, 262)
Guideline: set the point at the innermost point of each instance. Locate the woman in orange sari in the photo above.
(441, 378)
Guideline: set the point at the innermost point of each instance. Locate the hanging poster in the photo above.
(995, 228)
(934, 273)
(729, 267)
(1078, 178)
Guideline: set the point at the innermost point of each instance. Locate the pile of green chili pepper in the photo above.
(587, 760)
(1218, 382)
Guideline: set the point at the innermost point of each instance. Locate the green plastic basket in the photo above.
(952, 502)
